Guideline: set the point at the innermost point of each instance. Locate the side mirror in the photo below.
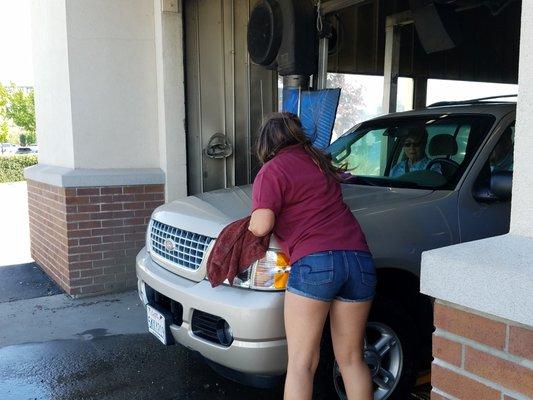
(501, 184)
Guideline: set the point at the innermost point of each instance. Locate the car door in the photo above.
(480, 218)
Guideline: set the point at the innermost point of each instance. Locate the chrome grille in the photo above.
(189, 248)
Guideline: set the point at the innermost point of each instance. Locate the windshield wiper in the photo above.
(384, 182)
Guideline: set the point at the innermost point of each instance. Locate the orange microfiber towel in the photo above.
(235, 249)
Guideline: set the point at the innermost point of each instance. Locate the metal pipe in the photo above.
(322, 76)
(296, 81)
(198, 72)
(420, 92)
(233, 96)
(391, 68)
(224, 87)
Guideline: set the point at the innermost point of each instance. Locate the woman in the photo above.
(297, 196)
(414, 147)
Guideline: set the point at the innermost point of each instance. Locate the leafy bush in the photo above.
(12, 167)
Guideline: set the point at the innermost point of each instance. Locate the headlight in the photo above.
(269, 273)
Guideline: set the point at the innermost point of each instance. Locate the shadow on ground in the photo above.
(25, 281)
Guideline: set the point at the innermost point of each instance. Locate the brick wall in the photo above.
(480, 357)
(87, 238)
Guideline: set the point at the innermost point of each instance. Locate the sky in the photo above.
(15, 43)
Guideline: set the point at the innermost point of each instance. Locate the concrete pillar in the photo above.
(484, 325)
(420, 92)
(522, 205)
(171, 101)
(52, 83)
(110, 127)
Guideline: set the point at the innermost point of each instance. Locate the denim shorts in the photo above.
(334, 275)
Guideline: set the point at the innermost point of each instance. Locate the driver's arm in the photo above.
(436, 168)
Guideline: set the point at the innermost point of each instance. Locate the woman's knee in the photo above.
(305, 361)
(349, 359)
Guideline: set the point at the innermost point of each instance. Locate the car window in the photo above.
(439, 139)
(413, 151)
(501, 158)
(364, 155)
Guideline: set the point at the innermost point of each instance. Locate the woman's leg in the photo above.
(348, 322)
(304, 322)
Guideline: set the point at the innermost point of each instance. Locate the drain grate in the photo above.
(420, 396)
(422, 392)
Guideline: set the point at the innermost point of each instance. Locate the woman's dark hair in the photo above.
(280, 130)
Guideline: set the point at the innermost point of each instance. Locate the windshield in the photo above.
(430, 151)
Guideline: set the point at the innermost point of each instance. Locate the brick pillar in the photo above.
(86, 238)
(480, 357)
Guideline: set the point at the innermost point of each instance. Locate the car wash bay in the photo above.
(471, 41)
(222, 96)
(228, 94)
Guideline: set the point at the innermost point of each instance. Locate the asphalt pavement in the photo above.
(112, 367)
(54, 347)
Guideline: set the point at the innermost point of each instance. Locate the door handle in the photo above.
(218, 147)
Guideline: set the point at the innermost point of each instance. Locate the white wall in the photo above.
(112, 70)
(522, 203)
(52, 83)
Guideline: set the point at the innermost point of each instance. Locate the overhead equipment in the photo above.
(282, 36)
(436, 24)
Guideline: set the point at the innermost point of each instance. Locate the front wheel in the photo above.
(389, 353)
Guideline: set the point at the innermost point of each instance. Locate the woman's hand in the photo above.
(262, 222)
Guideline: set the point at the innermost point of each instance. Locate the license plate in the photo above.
(157, 324)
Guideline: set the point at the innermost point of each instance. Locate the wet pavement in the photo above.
(54, 347)
(113, 367)
(58, 348)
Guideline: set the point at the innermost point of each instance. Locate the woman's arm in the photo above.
(262, 222)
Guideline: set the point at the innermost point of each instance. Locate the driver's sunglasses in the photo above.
(412, 144)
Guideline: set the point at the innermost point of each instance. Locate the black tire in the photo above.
(387, 313)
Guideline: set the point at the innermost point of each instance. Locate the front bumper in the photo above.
(256, 319)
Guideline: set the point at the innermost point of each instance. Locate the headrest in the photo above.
(442, 145)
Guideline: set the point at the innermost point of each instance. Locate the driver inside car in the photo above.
(414, 148)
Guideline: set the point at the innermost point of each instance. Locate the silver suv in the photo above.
(239, 330)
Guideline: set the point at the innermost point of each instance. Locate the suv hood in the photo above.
(208, 213)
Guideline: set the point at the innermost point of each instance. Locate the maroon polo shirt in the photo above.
(310, 213)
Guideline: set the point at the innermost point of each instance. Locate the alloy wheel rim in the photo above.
(383, 355)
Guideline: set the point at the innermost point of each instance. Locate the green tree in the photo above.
(18, 105)
(351, 103)
(4, 132)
